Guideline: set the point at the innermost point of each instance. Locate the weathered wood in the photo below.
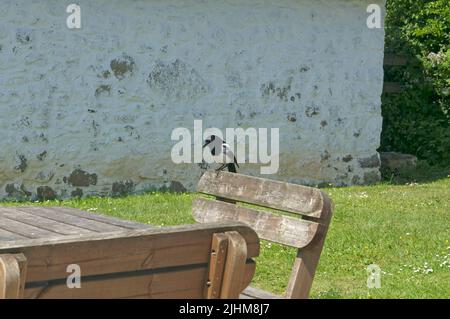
(189, 293)
(274, 194)
(40, 222)
(88, 224)
(23, 267)
(306, 262)
(151, 285)
(28, 218)
(12, 274)
(282, 196)
(394, 59)
(6, 235)
(216, 265)
(151, 263)
(120, 259)
(280, 229)
(125, 251)
(234, 266)
(99, 218)
(256, 293)
(25, 230)
(161, 283)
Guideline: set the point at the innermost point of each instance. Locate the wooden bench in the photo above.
(120, 259)
(307, 232)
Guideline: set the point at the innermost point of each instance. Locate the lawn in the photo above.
(405, 229)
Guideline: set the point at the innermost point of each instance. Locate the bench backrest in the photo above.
(306, 231)
(194, 261)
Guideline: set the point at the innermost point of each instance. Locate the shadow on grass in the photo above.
(423, 173)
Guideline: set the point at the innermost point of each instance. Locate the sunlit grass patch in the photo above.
(405, 229)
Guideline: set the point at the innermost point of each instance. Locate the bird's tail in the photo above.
(231, 167)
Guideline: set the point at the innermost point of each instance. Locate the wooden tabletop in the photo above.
(35, 222)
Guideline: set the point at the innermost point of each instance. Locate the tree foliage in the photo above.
(417, 121)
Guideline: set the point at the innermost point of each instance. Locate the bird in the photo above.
(225, 155)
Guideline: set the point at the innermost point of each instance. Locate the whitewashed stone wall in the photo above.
(91, 111)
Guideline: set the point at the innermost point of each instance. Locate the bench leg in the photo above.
(308, 258)
(303, 271)
(12, 276)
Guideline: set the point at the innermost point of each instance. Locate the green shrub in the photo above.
(417, 121)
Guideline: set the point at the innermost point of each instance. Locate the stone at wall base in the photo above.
(396, 161)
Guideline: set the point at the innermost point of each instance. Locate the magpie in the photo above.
(225, 155)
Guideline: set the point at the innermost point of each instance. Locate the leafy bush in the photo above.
(417, 121)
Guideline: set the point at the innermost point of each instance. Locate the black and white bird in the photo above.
(222, 153)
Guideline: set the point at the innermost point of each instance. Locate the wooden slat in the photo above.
(280, 229)
(19, 215)
(124, 251)
(216, 265)
(249, 273)
(269, 193)
(256, 293)
(8, 235)
(392, 87)
(189, 293)
(393, 59)
(88, 224)
(186, 283)
(234, 266)
(152, 286)
(100, 218)
(25, 229)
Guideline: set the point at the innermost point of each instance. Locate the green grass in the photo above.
(405, 229)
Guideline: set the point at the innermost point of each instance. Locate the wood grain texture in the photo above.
(25, 230)
(314, 205)
(217, 260)
(124, 251)
(95, 217)
(23, 267)
(150, 285)
(56, 214)
(119, 259)
(234, 266)
(256, 293)
(264, 192)
(12, 274)
(7, 235)
(280, 229)
(187, 283)
(150, 263)
(21, 222)
(29, 218)
(307, 260)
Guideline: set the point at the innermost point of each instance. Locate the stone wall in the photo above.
(91, 111)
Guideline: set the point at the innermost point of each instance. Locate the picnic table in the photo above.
(118, 258)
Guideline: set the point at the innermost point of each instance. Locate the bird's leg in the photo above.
(221, 167)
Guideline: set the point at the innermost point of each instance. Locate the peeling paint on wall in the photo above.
(90, 111)
(177, 80)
